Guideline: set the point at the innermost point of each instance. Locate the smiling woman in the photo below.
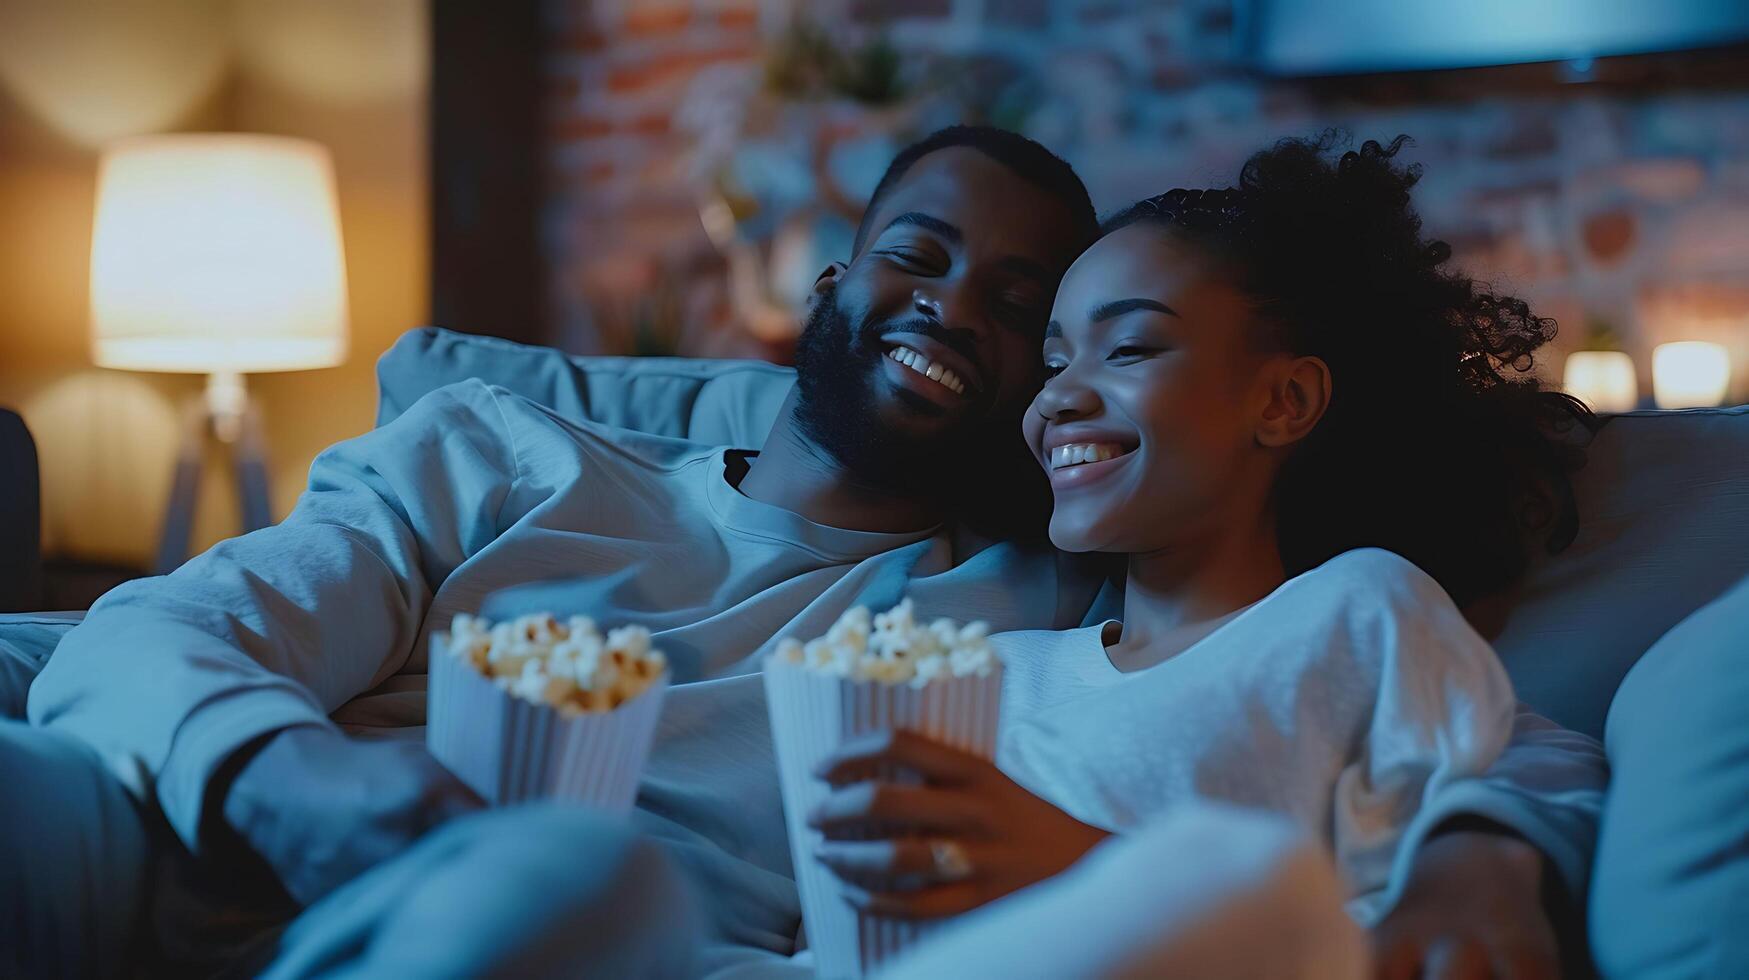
(1287, 363)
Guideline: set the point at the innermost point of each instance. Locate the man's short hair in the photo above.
(1024, 157)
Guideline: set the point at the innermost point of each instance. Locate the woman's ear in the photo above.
(827, 281)
(1299, 393)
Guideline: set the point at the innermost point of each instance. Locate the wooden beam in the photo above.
(487, 149)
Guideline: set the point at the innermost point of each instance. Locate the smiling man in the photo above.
(919, 358)
(230, 696)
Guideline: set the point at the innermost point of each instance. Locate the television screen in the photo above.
(1339, 37)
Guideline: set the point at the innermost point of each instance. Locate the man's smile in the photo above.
(933, 370)
(936, 360)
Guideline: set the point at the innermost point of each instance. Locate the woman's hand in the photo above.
(966, 836)
(1472, 911)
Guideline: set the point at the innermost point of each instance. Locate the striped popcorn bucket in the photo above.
(811, 714)
(509, 750)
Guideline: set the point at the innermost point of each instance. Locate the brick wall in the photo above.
(1622, 201)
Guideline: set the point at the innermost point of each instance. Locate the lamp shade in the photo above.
(217, 252)
(1603, 379)
(1690, 374)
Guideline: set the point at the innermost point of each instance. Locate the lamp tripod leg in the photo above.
(227, 408)
(184, 490)
(249, 462)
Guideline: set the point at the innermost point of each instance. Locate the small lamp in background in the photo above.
(217, 254)
(1602, 379)
(1690, 374)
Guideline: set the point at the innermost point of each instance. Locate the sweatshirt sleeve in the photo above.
(1448, 742)
(1442, 717)
(168, 676)
(1547, 787)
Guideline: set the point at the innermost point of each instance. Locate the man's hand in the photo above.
(321, 808)
(1472, 911)
(899, 847)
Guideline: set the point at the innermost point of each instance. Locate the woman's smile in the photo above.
(1076, 454)
(1077, 459)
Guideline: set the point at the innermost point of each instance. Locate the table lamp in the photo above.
(1602, 379)
(1690, 374)
(217, 254)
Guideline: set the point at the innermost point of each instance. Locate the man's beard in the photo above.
(978, 469)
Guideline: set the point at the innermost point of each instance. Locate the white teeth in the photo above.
(1077, 453)
(934, 372)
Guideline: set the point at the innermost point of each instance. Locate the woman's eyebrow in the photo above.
(1118, 307)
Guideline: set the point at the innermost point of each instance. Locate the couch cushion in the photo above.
(1672, 873)
(1663, 498)
(26, 641)
(1664, 529)
(722, 402)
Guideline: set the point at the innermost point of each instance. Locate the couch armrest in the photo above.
(20, 517)
(27, 640)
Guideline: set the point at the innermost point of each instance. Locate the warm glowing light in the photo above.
(217, 253)
(98, 70)
(334, 52)
(1603, 379)
(1690, 374)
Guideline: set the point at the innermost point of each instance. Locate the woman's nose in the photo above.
(1065, 397)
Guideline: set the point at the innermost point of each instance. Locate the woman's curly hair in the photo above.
(1438, 443)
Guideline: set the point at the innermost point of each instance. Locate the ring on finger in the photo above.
(950, 859)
